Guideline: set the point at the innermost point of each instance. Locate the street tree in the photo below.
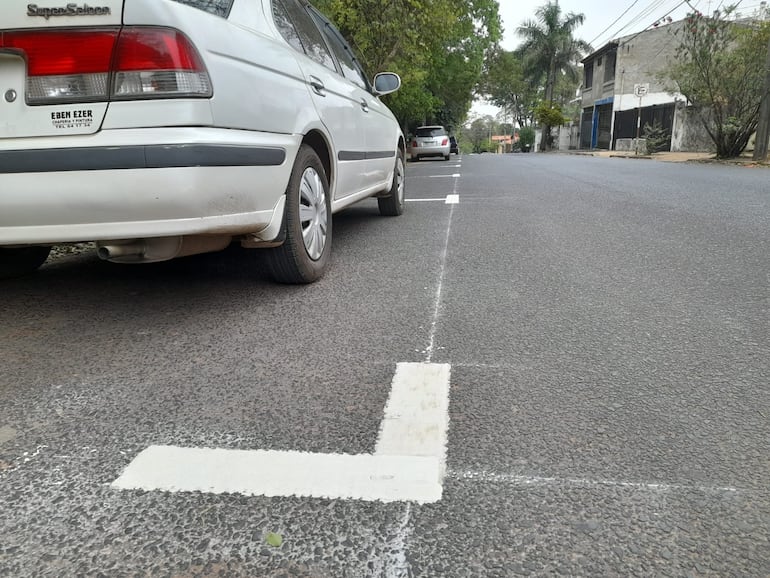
(720, 70)
(436, 46)
(550, 49)
(479, 133)
(504, 85)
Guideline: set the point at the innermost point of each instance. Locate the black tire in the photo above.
(393, 204)
(307, 196)
(446, 157)
(18, 261)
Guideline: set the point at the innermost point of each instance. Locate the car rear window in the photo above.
(430, 131)
(215, 7)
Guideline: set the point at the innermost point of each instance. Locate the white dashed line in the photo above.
(452, 199)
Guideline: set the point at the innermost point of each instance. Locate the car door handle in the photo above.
(317, 86)
(364, 105)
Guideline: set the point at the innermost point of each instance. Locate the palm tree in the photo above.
(549, 48)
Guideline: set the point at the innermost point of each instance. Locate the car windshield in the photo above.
(430, 131)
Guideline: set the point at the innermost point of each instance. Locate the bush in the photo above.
(526, 138)
(656, 137)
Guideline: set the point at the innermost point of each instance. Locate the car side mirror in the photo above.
(386, 82)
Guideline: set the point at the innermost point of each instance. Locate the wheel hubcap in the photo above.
(400, 180)
(313, 215)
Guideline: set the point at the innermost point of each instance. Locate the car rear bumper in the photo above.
(112, 185)
(430, 151)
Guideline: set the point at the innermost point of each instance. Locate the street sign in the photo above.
(641, 90)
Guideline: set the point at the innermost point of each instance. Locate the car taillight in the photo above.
(414, 144)
(66, 66)
(444, 142)
(157, 62)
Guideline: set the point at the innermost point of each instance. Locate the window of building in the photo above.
(588, 70)
(609, 67)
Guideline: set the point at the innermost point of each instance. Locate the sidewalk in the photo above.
(673, 157)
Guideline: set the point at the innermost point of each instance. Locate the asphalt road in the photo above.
(607, 326)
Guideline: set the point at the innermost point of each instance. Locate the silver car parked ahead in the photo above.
(430, 141)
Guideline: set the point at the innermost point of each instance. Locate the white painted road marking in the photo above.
(408, 464)
(448, 200)
(280, 473)
(417, 413)
(452, 176)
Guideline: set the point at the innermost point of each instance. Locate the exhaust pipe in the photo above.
(160, 248)
(128, 250)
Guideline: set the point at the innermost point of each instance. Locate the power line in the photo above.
(666, 14)
(641, 16)
(614, 22)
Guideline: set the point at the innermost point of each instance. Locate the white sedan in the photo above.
(164, 128)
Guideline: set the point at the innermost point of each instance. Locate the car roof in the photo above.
(431, 126)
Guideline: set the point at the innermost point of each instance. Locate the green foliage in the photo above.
(719, 69)
(526, 136)
(550, 50)
(436, 46)
(656, 137)
(549, 115)
(504, 83)
(478, 134)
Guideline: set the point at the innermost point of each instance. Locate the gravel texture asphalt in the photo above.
(607, 322)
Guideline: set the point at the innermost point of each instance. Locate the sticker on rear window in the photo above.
(63, 119)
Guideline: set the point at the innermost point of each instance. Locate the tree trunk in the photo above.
(549, 82)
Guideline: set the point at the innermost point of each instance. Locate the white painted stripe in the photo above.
(452, 199)
(442, 200)
(518, 480)
(452, 176)
(408, 465)
(274, 473)
(417, 413)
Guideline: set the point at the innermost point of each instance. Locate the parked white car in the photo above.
(430, 141)
(164, 128)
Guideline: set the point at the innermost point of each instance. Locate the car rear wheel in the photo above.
(304, 255)
(446, 157)
(392, 205)
(18, 261)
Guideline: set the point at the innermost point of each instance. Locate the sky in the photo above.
(600, 24)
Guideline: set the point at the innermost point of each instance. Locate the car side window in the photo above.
(286, 26)
(215, 7)
(350, 69)
(312, 41)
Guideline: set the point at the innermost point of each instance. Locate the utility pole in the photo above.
(763, 128)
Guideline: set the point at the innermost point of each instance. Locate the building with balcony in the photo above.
(622, 93)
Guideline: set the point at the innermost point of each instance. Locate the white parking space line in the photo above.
(453, 199)
(282, 473)
(452, 176)
(519, 480)
(408, 464)
(417, 412)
